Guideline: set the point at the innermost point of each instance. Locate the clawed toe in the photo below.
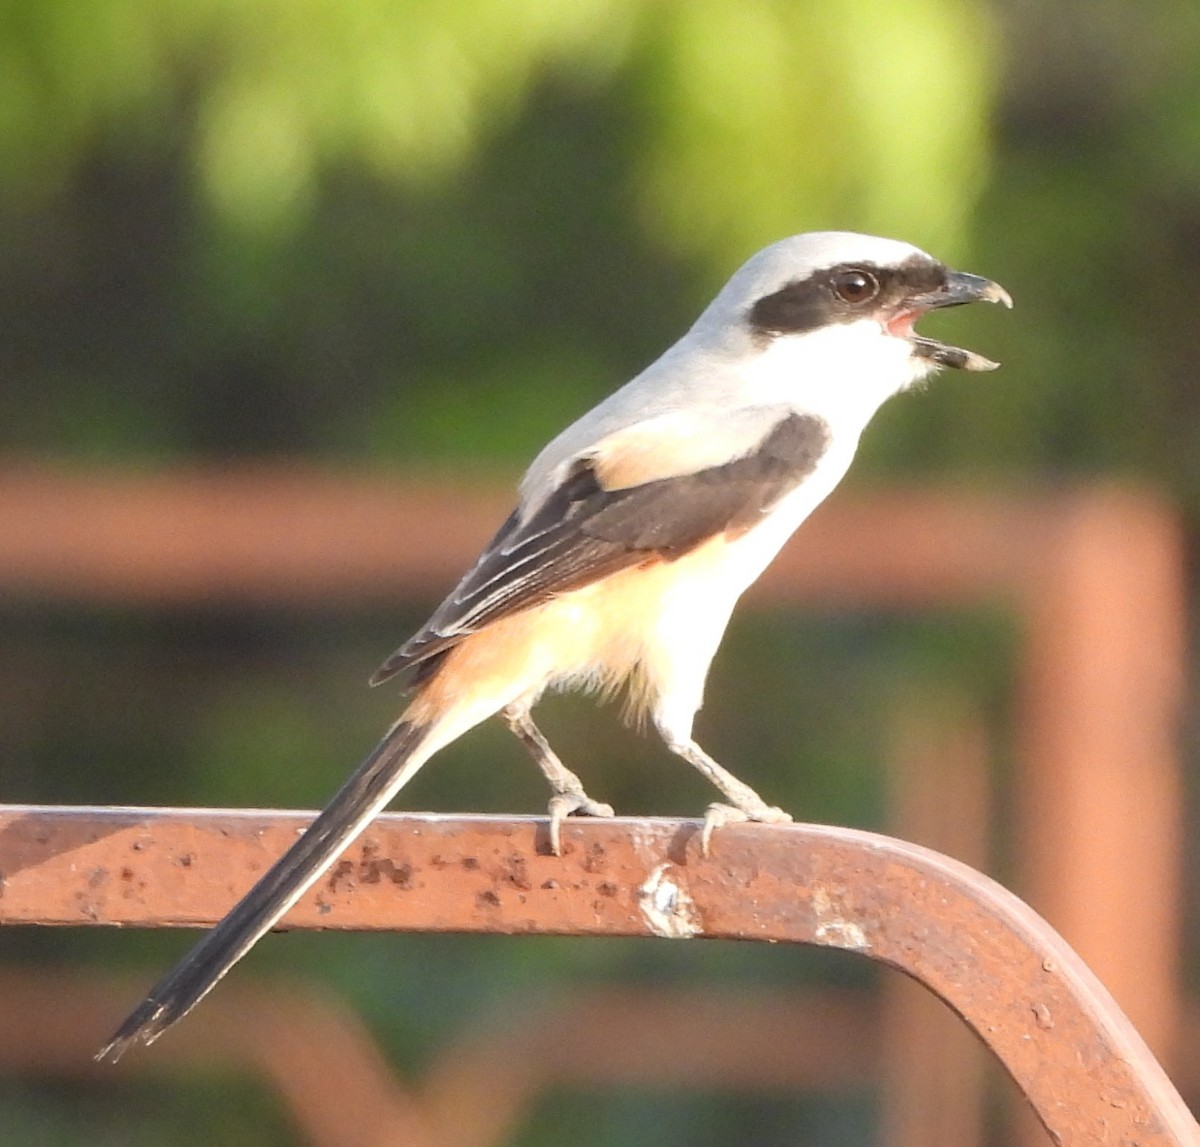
(563, 805)
(719, 814)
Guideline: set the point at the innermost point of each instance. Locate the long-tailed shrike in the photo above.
(635, 533)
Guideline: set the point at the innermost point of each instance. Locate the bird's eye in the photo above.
(856, 287)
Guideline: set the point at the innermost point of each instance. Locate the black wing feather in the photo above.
(583, 532)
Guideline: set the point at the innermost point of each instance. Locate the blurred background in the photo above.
(415, 240)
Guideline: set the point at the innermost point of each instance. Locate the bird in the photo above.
(635, 532)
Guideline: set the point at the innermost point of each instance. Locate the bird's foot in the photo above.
(719, 814)
(572, 803)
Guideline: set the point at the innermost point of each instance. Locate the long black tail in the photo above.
(356, 803)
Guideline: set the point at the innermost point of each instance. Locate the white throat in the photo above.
(843, 372)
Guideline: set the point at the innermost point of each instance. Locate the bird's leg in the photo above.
(568, 797)
(743, 802)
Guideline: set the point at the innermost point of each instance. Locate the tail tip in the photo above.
(143, 1026)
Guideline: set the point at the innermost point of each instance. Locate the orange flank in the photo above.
(598, 636)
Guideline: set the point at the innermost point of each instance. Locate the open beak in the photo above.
(958, 289)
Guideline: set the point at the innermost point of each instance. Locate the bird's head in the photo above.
(837, 309)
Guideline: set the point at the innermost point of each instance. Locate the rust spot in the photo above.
(487, 899)
(518, 873)
(342, 872)
(127, 874)
(184, 859)
(607, 888)
(376, 870)
(370, 870)
(595, 860)
(470, 863)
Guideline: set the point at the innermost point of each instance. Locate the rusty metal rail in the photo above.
(1093, 577)
(1087, 1073)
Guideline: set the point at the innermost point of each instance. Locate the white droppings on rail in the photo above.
(666, 905)
(832, 927)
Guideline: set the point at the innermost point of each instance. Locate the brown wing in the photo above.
(584, 532)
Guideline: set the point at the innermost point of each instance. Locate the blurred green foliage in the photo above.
(425, 236)
(421, 231)
(741, 116)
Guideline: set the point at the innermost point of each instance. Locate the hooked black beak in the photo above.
(962, 288)
(959, 288)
